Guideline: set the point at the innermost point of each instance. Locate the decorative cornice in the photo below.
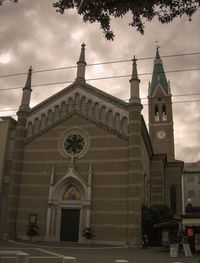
(77, 113)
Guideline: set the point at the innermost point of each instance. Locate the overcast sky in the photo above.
(33, 33)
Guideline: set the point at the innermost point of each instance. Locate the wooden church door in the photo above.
(69, 230)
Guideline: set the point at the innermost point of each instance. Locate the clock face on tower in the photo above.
(161, 134)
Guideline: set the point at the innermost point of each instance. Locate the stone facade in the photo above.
(86, 156)
(191, 183)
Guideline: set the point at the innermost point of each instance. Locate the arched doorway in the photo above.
(68, 208)
(70, 214)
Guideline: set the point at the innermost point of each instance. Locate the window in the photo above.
(191, 193)
(156, 113)
(190, 179)
(173, 198)
(164, 113)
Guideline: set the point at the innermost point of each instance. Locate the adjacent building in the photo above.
(191, 183)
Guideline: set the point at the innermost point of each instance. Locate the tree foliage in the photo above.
(1, 1)
(102, 11)
(152, 216)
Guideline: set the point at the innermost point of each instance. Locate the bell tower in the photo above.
(160, 111)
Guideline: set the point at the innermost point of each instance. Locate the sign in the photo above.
(190, 232)
(174, 250)
(187, 250)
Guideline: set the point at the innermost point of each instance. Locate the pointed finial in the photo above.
(82, 55)
(134, 69)
(30, 70)
(134, 83)
(26, 93)
(81, 65)
(149, 89)
(28, 81)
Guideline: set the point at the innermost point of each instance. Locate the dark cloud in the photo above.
(33, 33)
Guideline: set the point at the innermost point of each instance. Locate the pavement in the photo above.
(53, 252)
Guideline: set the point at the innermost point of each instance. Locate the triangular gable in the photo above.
(99, 94)
(120, 133)
(83, 98)
(159, 91)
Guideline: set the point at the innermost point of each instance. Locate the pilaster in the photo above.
(135, 173)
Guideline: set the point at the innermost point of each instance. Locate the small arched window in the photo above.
(156, 113)
(109, 118)
(56, 112)
(30, 129)
(96, 111)
(36, 125)
(117, 123)
(164, 113)
(71, 194)
(173, 198)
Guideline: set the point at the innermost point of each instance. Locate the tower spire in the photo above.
(81, 64)
(26, 93)
(134, 83)
(158, 77)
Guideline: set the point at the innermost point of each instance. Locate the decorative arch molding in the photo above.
(78, 102)
(56, 203)
(71, 178)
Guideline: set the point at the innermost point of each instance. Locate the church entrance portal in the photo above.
(70, 225)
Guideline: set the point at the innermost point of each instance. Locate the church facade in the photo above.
(83, 158)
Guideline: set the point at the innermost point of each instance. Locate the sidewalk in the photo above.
(45, 252)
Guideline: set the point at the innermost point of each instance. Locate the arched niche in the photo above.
(124, 125)
(90, 109)
(36, 125)
(56, 113)
(117, 123)
(96, 111)
(103, 114)
(70, 105)
(29, 129)
(77, 101)
(109, 118)
(63, 109)
(83, 107)
(49, 117)
(43, 121)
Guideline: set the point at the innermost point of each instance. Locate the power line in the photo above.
(102, 78)
(146, 104)
(96, 64)
(177, 95)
